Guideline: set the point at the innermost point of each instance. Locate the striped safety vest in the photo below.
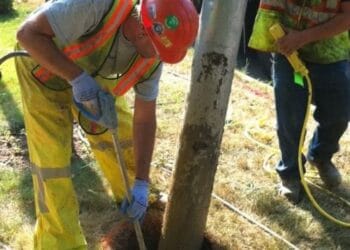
(300, 15)
(90, 53)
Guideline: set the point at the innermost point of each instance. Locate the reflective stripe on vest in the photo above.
(137, 71)
(300, 15)
(87, 47)
(310, 14)
(132, 76)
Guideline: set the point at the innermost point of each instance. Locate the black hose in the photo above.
(13, 54)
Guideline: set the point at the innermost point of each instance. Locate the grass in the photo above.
(16, 208)
(245, 175)
(11, 111)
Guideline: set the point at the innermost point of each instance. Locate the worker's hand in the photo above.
(100, 109)
(291, 42)
(138, 206)
(85, 88)
(108, 115)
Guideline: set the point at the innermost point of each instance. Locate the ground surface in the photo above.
(245, 178)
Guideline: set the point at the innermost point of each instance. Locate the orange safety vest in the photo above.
(300, 15)
(90, 53)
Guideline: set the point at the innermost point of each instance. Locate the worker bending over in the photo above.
(83, 52)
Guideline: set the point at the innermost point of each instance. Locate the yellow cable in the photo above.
(300, 163)
(277, 32)
(267, 169)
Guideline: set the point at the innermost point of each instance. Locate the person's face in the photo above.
(143, 43)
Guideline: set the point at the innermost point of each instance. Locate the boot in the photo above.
(291, 189)
(328, 172)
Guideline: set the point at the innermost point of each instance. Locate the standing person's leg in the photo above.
(103, 149)
(332, 101)
(48, 122)
(291, 102)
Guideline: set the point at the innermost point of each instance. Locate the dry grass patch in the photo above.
(245, 177)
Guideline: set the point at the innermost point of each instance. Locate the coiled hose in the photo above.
(12, 54)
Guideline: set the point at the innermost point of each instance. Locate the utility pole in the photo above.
(212, 73)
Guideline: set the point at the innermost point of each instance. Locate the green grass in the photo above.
(16, 206)
(15, 184)
(16, 191)
(10, 104)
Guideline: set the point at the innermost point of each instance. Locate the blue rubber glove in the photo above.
(100, 110)
(94, 103)
(84, 87)
(136, 210)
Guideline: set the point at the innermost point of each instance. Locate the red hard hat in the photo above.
(172, 26)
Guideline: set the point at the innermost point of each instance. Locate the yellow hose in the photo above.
(300, 163)
(299, 68)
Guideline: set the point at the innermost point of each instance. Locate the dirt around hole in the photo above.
(122, 234)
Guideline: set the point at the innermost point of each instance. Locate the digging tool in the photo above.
(122, 168)
(108, 117)
(105, 105)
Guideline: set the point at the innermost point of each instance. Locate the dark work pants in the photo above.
(331, 97)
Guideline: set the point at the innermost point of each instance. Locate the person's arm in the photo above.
(294, 40)
(36, 36)
(55, 21)
(144, 129)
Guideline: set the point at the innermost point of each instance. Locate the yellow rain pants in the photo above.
(48, 117)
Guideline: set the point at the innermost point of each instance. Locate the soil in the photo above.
(122, 234)
(14, 150)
